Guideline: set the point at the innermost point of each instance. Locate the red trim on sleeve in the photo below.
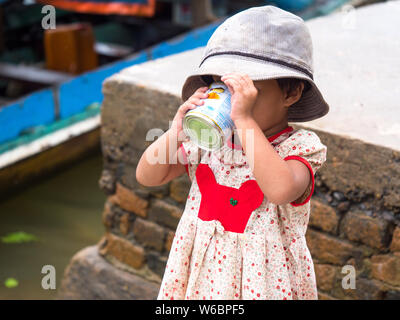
(182, 149)
(312, 178)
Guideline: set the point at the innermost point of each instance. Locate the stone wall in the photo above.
(355, 218)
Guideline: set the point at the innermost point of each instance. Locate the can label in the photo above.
(215, 110)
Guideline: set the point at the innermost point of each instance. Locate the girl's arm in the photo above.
(160, 163)
(282, 181)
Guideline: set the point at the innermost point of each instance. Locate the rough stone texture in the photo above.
(179, 188)
(329, 249)
(165, 213)
(149, 234)
(323, 217)
(158, 191)
(369, 289)
(365, 290)
(343, 206)
(395, 245)
(89, 276)
(386, 268)
(125, 223)
(107, 215)
(129, 201)
(117, 220)
(156, 262)
(357, 226)
(326, 275)
(107, 182)
(324, 296)
(168, 240)
(126, 174)
(348, 161)
(123, 250)
(392, 295)
(144, 109)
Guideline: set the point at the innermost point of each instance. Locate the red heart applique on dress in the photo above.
(231, 206)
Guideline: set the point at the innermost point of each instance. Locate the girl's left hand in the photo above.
(243, 94)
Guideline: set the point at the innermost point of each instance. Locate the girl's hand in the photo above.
(191, 103)
(244, 94)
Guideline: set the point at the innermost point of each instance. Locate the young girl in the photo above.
(242, 232)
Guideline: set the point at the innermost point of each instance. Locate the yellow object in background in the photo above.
(70, 48)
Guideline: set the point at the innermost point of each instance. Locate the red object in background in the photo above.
(132, 7)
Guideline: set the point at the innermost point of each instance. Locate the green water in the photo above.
(64, 212)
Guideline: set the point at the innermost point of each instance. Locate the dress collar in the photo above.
(234, 155)
(270, 139)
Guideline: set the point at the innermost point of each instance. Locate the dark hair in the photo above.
(207, 78)
(288, 85)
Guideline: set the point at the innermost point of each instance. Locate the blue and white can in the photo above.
(210, 124)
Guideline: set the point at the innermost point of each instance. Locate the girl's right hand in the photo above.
(191, 103)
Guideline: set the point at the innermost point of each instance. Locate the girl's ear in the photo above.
(294, 96)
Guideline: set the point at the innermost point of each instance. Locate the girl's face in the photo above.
(271, 107)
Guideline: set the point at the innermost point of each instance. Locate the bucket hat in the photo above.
(265, 42)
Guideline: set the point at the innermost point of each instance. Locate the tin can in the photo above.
(210, 124)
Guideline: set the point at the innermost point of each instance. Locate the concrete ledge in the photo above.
(90, 277)
(356, 62)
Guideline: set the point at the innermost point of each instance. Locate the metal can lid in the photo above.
(203, 132)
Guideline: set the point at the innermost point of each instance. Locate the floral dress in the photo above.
(231, 242)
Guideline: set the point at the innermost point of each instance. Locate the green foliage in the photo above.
(18, 237)
(11, 283)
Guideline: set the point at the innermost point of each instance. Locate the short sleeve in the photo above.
(305, 146)
(190, 154)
